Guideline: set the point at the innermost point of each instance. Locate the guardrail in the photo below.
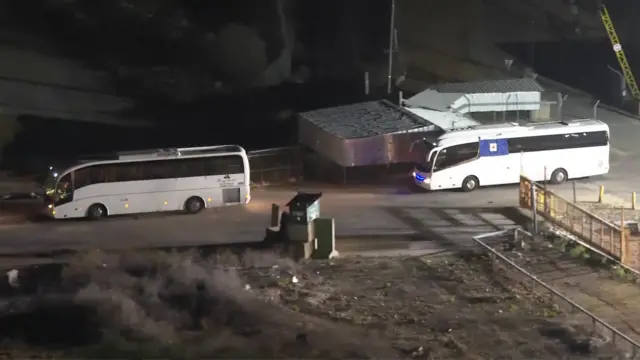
(275, 166)
(496, 257)
(593, 230)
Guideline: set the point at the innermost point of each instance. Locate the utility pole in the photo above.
(392, 30)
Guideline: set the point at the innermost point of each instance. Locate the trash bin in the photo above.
(304, 208)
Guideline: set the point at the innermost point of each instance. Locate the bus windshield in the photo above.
(426, 156)
(454, 155)
(49, 185)
(57, 188)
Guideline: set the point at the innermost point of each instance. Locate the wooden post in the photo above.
(601, 194)
(275, 215)
(601, 235)
(623, 238)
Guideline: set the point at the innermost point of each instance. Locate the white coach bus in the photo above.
(145, 181)
(498, 154)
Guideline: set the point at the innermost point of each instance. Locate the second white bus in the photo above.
(189, 179)
(498, 154)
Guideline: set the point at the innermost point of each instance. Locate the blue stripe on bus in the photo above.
(494, 147)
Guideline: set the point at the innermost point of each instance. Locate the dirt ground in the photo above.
(184, 306)
(593, 282)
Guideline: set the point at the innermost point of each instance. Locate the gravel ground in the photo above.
(183, 306)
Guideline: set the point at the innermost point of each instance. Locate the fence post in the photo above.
(545, 199)
(559, 104)
(623, 239)
(366, 83)
(534, 206)
(601, 194)
(575, 195)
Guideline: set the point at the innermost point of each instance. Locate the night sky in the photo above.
(204, 70)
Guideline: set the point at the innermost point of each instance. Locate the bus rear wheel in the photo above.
(96, 212)
(194, 205)
(470, 183)
(558, 176)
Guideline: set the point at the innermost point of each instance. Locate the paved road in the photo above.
(361, 213)
(624, 176)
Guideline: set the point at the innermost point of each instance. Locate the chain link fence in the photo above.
(275, 166)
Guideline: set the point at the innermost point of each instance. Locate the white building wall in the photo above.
(513, 101)
(444, 120)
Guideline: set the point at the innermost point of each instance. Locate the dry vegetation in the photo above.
(180, 305)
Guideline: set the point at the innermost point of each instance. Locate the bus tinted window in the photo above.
(159, 169)
(455, 155)
(558, 142)
(222, 165)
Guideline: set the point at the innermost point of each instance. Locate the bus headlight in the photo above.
(426, 179)
(50, 206)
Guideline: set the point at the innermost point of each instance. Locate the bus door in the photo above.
(502, 168)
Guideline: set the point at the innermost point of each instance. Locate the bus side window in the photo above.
(128, 172)
(110, 172)
(194, 167)
(224, 165)
(236, 165)
(82, 178)
(157, 169)
(96, 174)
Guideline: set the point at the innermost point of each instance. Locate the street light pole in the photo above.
(392, 28)
(623, 82)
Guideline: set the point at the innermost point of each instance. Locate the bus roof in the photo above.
(512, 130)
(166, 152)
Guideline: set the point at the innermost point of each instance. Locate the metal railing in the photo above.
(497, 258)
(593, 230)
(275, 166)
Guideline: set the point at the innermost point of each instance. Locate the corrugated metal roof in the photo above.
(495, 86)
(365, 119)
(434, 100)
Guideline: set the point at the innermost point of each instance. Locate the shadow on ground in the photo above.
(453, 227)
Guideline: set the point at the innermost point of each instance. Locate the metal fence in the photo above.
(595, 231)
(275, 166)
(500, 261)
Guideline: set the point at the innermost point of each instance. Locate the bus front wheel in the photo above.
(558, 176)
(470, 183)
(96, 212)
(194, 205)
